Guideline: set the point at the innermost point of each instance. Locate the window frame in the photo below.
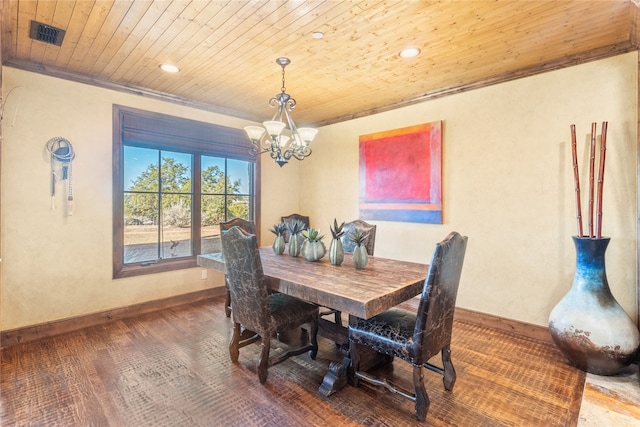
(146, 129)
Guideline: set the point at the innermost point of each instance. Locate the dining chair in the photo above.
(294, 216)
(257, 310)
(370, 243)
(250, 228)
(416, 337)
(348, 246)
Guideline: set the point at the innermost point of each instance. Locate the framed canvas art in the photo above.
(401, 174)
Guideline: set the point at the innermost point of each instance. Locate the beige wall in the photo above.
(507, 185)
(54, 266)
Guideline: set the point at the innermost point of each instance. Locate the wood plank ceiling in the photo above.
(226, 50)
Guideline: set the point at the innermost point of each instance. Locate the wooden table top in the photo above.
(384, 283)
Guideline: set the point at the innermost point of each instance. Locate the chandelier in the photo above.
(270, 138)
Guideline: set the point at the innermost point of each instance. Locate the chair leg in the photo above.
(263, 361)
(449, 372)
(227, 303)
(234, 346)
(422, 398)
(338, 318)
(313, 340)
(355, 363)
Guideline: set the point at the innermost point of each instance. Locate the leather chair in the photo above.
(257, 310)
(370, 243)
(348, 246)
(416, 337)
(294, 216)
(250, 228)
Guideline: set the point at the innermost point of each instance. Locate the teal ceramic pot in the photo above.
(313, 251)
(588, 325)
(336, 252)
(360, 257)
(278, 245)
(295, 245)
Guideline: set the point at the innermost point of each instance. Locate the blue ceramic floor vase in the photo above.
(588, 325)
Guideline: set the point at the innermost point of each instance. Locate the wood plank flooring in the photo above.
(172, 368)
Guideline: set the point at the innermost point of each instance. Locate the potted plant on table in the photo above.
(336, 251)
(296, 240)
(278, 242)
(360, 255)
(313, 248)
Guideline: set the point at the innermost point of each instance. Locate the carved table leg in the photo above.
(338, 375)
(336, 378)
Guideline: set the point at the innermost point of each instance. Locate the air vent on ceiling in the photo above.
(46, 33)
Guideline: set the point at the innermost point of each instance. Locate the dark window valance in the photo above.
(146, 129)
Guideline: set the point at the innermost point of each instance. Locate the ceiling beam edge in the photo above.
(133, 90)
(634, 23)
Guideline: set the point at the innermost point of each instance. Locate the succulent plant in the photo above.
(296, 226)
(279, 229)
(360, 256)
(336, 230)
(312, 235)
(358, 237)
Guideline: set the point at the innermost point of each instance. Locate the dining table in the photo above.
(360, 293)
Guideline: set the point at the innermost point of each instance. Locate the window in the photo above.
(174, 181)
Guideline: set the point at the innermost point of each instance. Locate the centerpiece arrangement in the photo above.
(309, 244)
(588, 325)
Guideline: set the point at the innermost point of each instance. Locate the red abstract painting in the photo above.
(401, 174)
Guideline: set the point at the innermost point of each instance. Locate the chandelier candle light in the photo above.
(279, 146)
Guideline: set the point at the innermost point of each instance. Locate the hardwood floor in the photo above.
(172, 368)
(611, 401)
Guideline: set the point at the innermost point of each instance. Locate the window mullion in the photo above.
(196, 203)
(159, 212)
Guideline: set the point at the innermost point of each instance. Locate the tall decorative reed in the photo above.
(595, 196)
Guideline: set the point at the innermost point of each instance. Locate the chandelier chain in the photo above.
(283, 87)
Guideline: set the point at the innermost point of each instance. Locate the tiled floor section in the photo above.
(611, 401)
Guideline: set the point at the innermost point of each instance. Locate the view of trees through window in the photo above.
(161, 205)
(174, 181)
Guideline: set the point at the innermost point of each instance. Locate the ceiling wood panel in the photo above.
(61, 19)
(91, 31)
(142, 39)
(128, 37)
(226, 50)
(62, 54)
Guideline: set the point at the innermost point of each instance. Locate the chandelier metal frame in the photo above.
(270, 139)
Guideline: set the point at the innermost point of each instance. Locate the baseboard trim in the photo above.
(528, 330)
(12, 337)
(516, 327)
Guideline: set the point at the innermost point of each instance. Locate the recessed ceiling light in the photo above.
(318, 34)
(411, 52)
(168, 68)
